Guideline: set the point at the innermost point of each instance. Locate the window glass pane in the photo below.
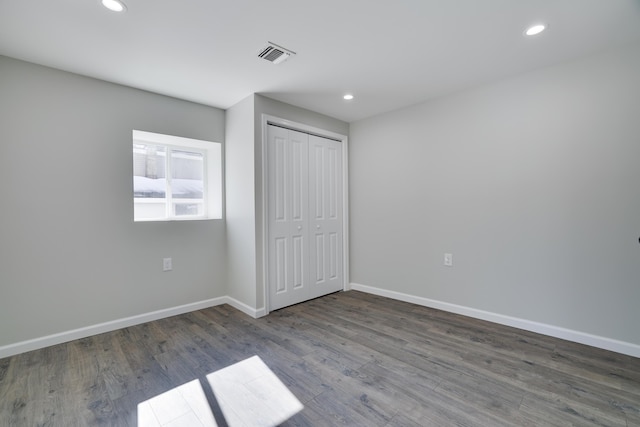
(187, 175)
(188, 209)
(149, 171)
(149, 181)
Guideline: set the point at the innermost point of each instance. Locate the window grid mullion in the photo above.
(168, 192)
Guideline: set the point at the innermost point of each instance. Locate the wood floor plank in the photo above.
(351, 358)
(556, 409)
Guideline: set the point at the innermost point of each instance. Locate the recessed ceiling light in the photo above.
(348, 97)
(535, 29)
(114, 5)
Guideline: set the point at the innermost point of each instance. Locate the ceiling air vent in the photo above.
(274, 53)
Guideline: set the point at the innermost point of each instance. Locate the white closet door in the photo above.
(304, 217)
(325, 210)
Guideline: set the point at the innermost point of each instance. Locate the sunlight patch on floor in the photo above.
(185, 405)
(248, 393)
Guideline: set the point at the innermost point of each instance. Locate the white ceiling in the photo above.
(388, 53)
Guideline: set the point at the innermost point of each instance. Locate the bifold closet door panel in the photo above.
(325, 210)
(288, 212)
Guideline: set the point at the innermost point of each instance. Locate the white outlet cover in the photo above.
(448, 260)
(167, 264)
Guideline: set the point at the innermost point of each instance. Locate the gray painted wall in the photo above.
(70, 253)
(532, 183)
(240, 205)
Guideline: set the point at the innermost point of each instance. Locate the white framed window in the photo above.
(175, 178)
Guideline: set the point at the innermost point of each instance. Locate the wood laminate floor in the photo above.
(351, 358)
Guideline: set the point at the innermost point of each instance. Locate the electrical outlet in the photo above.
(167, 264)
(448, 260)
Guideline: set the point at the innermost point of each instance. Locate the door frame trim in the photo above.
(301, 127)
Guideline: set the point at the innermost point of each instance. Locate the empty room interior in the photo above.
(365, 213)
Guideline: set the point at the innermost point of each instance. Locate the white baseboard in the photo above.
(541, 328)
(59, 338)
(248, 310)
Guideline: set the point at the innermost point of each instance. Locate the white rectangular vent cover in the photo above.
(274, 53)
